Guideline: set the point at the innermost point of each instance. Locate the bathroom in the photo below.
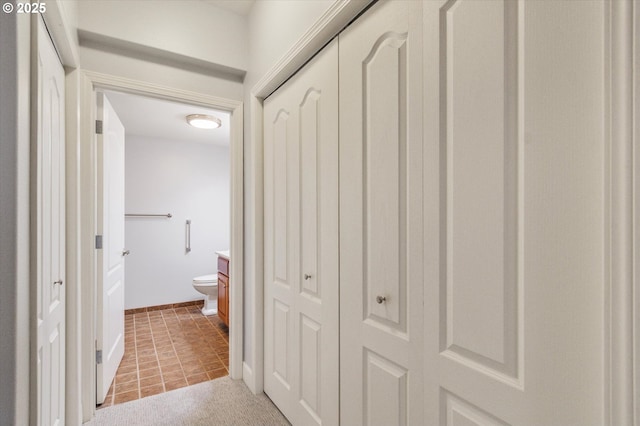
(177, 227)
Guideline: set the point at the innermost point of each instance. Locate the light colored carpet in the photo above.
(217, 402)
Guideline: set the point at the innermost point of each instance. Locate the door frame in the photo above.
(85, 179)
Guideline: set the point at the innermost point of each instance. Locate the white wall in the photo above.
(274, 27)
(190, 181)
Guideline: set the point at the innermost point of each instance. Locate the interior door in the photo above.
(381, 221)
(110, 317)
(301, 243)
(513, 248)
(50, 232)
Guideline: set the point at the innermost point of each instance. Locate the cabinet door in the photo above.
(223, 298)
(301, 243)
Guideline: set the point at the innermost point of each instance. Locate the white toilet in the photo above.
(208, 285)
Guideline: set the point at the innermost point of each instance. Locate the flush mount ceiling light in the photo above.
(202, 121)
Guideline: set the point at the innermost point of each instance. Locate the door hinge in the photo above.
(98, 241)
(99, 357)
(98, 127)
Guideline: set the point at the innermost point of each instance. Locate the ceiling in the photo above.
(241, 7)
(155, 118)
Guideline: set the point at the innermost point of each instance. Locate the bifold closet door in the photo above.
(514, 135)
(381, 221)
(301, 243)
(48, 250)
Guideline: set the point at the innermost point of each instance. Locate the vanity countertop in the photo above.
(223, 254)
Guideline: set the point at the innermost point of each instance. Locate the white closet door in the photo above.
(301, 243)
(50, 233)
(513, 248)
(381, 270)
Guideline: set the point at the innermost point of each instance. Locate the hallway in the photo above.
(169, 349)
(216, 402)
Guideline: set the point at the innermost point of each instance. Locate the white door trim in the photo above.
(327, 26)
(623, 216)
(85, 179)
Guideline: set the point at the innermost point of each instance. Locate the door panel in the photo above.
(385, 398)
(301, 243)
(480, 176)
(508, 337)
(50, 232)
(110, 322)
(381, 217)
(458, 412)
(385, 180)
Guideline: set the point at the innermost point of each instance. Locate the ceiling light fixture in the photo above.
(202, 121)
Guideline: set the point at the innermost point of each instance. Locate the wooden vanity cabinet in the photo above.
(223, 290)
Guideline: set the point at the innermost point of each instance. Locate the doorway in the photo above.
(164, 220)
(87, 182)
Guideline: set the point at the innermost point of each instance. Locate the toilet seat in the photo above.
(206, 279)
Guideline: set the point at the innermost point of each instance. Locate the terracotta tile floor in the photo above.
(169, 349)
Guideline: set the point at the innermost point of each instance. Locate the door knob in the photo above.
(381, 299)
(57, 282)
(307, 276)
(125, 252)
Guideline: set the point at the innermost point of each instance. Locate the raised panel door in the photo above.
(381, 222)
(49, 230)
(512, 294)
(111, 258)
(301, 243)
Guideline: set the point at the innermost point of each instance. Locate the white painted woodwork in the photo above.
(471, 220)
(301, 240)
(49, 189)
(110, 316)
(381, 221)
(513, 298)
